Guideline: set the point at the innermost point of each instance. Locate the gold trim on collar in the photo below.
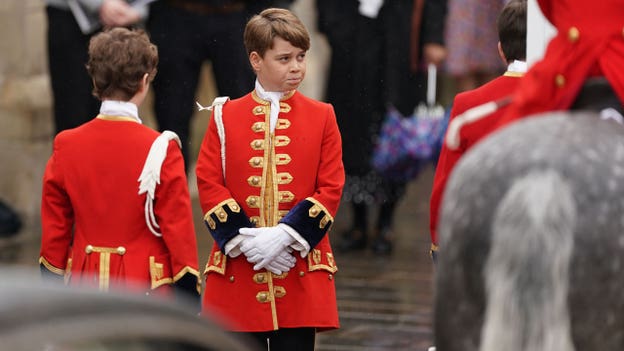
(257, 98)
(116, 118)
(513, 74)
(288, 95)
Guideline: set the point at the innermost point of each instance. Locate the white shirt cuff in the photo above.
(232, 248)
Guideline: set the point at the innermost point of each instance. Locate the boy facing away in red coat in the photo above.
(115, 207)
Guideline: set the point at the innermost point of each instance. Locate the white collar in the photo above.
(517, 67)
(120, 108)
(274, 97)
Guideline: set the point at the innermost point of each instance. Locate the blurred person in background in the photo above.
(379, 49)
(512, 31)
(189, 33)
(71, 23)
(470, 37)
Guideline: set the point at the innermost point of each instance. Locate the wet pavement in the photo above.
(384, 301)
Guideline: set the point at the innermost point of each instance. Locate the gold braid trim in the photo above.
(50, 267)
(185, 270)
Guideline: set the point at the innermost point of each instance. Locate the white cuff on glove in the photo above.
(232, 247)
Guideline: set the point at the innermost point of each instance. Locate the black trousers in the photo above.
(185, 41)
(286, 339)
(71, 85)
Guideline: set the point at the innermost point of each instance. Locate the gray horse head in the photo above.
(532, 240)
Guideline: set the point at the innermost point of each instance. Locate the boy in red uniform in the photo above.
(582, 65)
(512, 23)
(270, 178)
(115, 208)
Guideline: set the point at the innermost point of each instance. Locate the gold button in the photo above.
(314, 211)
(255, 180)
(560, 80)
(258, 143)
(262, 296)
(231, 278)
(235, 208)
(259, 109)
(256, 161)
(89, 249)
(252, 200)
(301, 273)
(221, 215)
(573, 34)
(259, 278)
(121, 250)
(330, 277)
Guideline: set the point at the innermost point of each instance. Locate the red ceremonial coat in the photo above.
(589, 42)
(94, 228)
(470, 134)
(294, 176)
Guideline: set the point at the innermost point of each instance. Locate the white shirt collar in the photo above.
(517, 67)
(120, 108)
(274, 97)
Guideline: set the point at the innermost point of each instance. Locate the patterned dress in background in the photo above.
(472, 38)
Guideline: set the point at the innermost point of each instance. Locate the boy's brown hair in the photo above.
(512, 30)
(118, 60)
(274, 22)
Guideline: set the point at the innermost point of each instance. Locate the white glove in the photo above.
(267, 244)
(282, 263)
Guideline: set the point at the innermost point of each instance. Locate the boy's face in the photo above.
(282, 68)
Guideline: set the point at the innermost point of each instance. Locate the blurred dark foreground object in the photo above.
(39, 316)
(10, 222)
(531, 246)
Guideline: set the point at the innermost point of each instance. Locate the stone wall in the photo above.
(25, 101)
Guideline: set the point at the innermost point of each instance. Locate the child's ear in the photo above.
(145, 81)
(255, 59)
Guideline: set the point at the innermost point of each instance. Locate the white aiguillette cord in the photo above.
(217, 106)
(150, 175)
(470, 116)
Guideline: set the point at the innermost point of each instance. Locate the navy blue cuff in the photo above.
(224, 221)
(310, 219)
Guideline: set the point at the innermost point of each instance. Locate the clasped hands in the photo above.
(268, 247)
